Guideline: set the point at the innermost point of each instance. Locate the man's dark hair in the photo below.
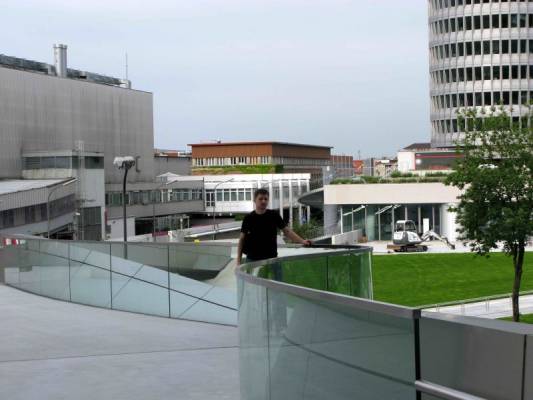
(260, 192)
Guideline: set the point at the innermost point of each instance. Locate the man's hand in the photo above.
(295, 238)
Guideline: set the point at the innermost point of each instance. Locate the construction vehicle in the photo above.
(406, 238)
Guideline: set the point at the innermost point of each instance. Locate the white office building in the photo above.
(229, 195)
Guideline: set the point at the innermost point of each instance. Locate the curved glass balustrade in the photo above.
(143, 278)
(309, 330)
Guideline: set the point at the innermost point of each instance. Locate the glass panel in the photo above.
(339, 274)
(133, 295)
(90, 285)
(320, 351)
(188, 286)
(180, 303)
(209, 312)
(222, 296)
(54, 269)
(12, 259)
(133, 266)
(95, 254)
(311, 273)
(190, 258)
(253, 340)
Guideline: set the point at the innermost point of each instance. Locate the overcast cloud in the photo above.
(349, 74)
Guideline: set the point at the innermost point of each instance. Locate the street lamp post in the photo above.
(48, 203)
(125, 163)
(214, 205)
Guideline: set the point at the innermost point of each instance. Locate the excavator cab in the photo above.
(405, 233)
(405, 226)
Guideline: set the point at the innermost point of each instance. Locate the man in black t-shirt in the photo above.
(259, 231)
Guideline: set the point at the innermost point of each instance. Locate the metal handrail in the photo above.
(474, 300)
(443, 392)
(245, 272)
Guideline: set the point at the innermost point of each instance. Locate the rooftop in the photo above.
(418, 146)
(39, 67)
(253, 143)
(21, 185)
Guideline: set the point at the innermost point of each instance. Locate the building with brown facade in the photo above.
(259, 157)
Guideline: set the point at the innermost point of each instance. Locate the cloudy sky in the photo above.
(346, 73)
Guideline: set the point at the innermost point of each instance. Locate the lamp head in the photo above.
(125, 162)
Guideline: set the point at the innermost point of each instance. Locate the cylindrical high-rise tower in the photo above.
(479, 55)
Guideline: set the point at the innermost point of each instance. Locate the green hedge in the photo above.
(376, 179)
(239, 169)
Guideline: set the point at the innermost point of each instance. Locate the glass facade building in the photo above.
(376, 221)
(479, 56)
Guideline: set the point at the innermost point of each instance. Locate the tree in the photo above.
(495, 174)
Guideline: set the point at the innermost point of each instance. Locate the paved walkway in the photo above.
(56, 350)
(492, 309)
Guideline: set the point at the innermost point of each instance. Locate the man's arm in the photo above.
(295, 237)
(239, 248)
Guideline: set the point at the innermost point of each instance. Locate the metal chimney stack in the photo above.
(60, 60)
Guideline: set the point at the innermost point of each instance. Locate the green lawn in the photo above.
(422, 279)
(525, 319)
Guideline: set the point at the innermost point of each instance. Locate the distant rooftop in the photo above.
(60, 69)
(418, 146)
(252, 143)
(172, 153)
(20, 185)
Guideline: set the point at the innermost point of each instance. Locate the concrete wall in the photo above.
(391, 193)
(43, 113)
(117, 228)
(406, 161)
(176, 165)
(348, 238)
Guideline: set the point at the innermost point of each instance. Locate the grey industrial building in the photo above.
(60, 123)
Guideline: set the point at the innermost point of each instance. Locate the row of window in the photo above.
(144, 197)
(227, 195)
(63, 162)
(261, 160)
(300, 161)
(440, 4)
(36, 213)
(485, 73)
(454, 126)
(478, 48)
(475, 22)
(246, 194)
(507, 98)
(223, 161)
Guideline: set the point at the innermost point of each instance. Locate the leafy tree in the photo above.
(495, 174)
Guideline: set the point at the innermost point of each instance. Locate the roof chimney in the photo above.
(60, 60)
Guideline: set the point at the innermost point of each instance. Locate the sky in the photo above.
(352, 74)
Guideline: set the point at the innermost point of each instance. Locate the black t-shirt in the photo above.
(261, 231)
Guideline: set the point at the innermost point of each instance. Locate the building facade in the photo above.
(57, 122)
(260, 157)
(374, 208)
(230, 195)
(480, 56)
(173, 161)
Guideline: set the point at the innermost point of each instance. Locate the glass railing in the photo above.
(144, 278)
(310, 330)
